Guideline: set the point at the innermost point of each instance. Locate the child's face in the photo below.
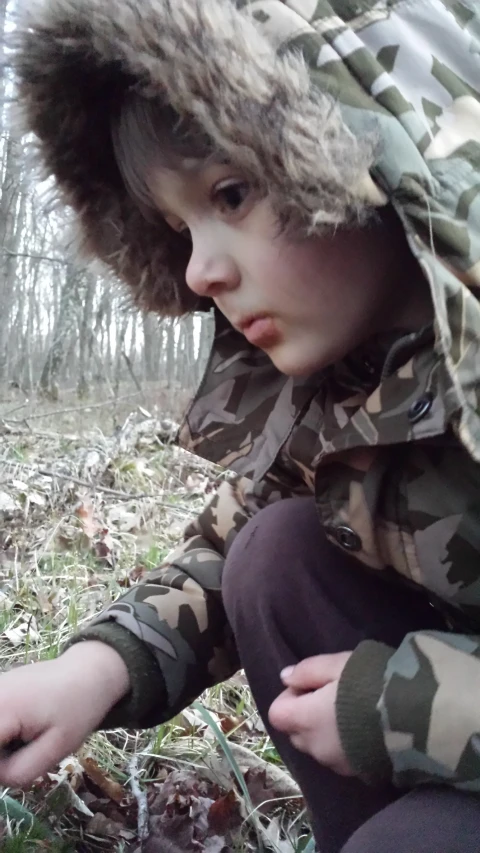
(306, 303)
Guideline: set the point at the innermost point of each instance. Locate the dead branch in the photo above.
(96, 487)
(73, 409)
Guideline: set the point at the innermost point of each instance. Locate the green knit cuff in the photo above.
(359, 724)
(147, 698)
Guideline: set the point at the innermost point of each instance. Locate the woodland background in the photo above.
(63, 326)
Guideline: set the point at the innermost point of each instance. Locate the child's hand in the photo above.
(54, 705)
(309, 717)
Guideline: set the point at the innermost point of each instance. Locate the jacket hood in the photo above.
(209, 60)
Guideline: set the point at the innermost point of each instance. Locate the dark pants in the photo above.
(290, 594)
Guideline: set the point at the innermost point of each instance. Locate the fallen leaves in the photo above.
(89, 523)
(64, 550)
(101, 826)
(262, 796)
(191, 814)
(98, 537)
(111, 789)
(224, 814)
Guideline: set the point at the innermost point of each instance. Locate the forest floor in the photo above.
(93, 495)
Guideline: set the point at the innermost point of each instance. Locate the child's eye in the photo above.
(229, 197)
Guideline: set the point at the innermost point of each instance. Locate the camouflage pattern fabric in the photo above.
(389, 441)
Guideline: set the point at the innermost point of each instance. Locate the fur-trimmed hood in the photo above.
(209, 60)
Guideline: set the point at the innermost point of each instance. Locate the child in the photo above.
(311, 171)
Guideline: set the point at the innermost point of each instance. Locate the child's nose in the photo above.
(209, 274)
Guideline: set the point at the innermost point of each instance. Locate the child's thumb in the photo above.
(313, 673)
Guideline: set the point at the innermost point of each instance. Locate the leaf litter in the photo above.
(81, 517)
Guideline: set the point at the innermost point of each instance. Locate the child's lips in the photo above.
(260, 331)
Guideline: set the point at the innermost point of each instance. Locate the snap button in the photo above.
(370, 368)
(420, 408)
(348, 539)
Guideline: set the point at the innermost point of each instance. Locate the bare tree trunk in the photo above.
(119, 351)
(171, 349)
(85, 339)
(133, 341)
(151, 351)
(207, 327)
(186, 362)
(61, 337)
(12, 213)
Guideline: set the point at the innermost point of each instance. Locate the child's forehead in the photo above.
(182, 184)
(188, 168)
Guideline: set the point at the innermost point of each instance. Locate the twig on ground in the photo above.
(45, 433)
(85, 408)
(129, 496)
(140, 795)
(16, 409)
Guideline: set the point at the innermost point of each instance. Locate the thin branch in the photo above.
(44, 472)
(139, 793)
(109, 402)
(50, 260)
(43, 433)
(16, 409)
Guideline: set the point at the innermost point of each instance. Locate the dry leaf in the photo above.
(85, 512)
(229, 723)
(69, 770)
(8, 504)
(36, 499)
(105, 547)
(26, 631)
(63, 797)
(170, 834)
(102, 827)
(135, 575)
(108, 786)
(224, 815)
(20, 485)
(262, 797)
(123, 520)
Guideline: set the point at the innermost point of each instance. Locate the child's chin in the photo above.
(296, 368)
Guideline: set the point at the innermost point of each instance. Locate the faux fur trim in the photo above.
(209, 60)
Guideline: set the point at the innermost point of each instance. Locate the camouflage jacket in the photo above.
(388, 441)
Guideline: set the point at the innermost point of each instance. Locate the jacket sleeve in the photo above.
(172, 630)
(412, 714)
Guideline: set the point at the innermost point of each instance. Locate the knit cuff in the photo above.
(359, 724)
(147, 697)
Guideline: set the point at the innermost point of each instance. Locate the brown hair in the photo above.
(147, 134)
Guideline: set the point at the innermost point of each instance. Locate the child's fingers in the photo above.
(33, 760)
(291, 713)
(9, 732)
(315, 672)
